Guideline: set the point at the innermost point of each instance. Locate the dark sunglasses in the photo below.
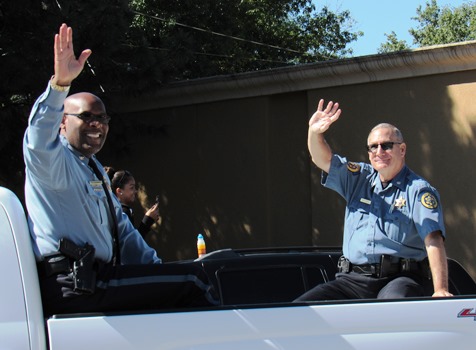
(89, 117)
(385, 146)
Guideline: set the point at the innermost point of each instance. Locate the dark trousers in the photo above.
(130, 287)
(356, 286)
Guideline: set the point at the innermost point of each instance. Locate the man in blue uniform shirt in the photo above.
(393, 245)
(103, 263)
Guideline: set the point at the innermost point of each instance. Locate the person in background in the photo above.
(393, 231)
(124, 187)
(90, 258)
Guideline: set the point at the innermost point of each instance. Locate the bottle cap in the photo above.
(200, 236)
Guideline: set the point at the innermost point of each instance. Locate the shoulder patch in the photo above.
(353, 167)
(429, 201)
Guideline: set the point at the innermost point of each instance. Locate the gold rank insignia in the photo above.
(400, 202)
(353, 167)
(429, 201)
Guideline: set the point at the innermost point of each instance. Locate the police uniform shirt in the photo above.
(394, 220)
(63, 196)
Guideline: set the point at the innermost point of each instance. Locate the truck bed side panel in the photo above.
(412, 324)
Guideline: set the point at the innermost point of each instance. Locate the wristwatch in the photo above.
(59, 88)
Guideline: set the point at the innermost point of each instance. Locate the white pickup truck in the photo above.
(256, 289)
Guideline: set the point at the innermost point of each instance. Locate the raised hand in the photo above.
(67, 67)
(153, 212)
(323, 118)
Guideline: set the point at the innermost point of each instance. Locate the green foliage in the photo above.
(438, 25)
(239, 35)
(444, 25)
(393, 44)
(139, 45)
(27, 28)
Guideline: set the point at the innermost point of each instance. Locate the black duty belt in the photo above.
(386, 267)
(376, 269)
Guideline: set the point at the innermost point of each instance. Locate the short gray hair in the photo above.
(395, 131)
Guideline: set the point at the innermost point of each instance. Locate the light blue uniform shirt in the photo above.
(63, 196)
(392, 221)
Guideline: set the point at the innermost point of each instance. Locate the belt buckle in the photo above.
(343, 265)
(405, 265)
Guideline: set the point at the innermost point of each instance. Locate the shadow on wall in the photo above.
(239, 171)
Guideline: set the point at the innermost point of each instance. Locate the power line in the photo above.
(211, 54)
(87, 61)
(208, 54)
(220, 34)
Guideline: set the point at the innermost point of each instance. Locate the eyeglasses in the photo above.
(89, 117)
(385, 146)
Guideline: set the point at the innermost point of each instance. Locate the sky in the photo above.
(377, 17)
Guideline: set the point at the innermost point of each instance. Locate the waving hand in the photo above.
(323, 118)
(320, 121)
(67, 67)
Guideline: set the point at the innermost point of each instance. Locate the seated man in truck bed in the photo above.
(90, 257)
(394, 228)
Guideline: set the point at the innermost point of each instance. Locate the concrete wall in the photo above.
(228, 155)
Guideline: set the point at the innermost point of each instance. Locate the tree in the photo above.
(438, 25)
(197, 39)
(141, 44)
(444, 25)
(26, 50)
(393, 44)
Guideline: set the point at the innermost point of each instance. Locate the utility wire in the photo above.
(219, 34)
(209, 32)
(87, 61)
(94, 74)
(211, 54)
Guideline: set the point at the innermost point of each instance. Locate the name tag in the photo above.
(96, 185)
(366, 201)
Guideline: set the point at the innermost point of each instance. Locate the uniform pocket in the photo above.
(396, 225)
(99, 200)
(358, 215)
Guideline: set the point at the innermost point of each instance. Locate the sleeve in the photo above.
(134, 250)
(145, 225)
(428, 212)
(343, 175)
(42, 146)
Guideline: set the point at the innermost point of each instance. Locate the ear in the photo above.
(118, 191)
(403, 149)
(63, 124)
